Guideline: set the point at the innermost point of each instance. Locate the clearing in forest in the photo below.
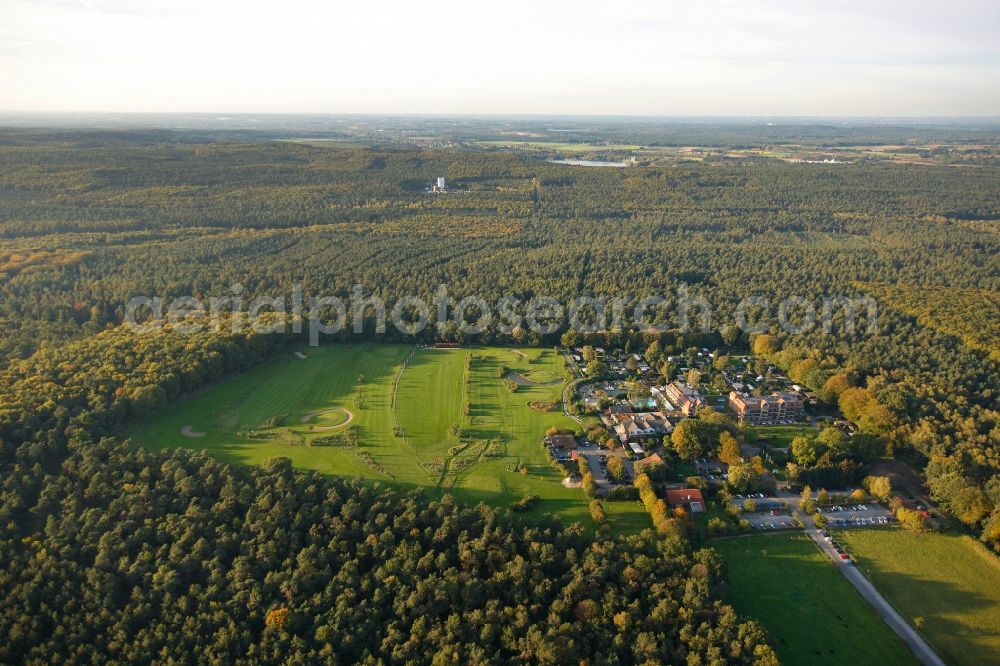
(447, 420)
(947, 585)
(814, 614)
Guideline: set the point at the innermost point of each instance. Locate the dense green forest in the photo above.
(252, 564)
(149, 558)
(122, 554)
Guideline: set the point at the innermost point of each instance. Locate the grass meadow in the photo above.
(949, 581)
(407, 406)
(814, 615)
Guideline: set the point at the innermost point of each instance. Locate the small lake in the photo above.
(590, 163)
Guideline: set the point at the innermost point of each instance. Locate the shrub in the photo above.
(597, 512)
(524, 504)
(345, 438)
(623, 493)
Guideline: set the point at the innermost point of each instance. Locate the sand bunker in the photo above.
(301, 355)
(189, 431)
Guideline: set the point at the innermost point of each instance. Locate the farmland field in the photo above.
(813, 613)
(949, 581)
(560, 146)
(407, 407)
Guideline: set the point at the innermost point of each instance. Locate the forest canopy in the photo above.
(123, 554)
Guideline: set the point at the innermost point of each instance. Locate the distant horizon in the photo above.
(647, 58)
(222, 115)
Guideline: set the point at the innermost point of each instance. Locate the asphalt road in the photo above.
(895, 621)
(565, 394)
(571, 363)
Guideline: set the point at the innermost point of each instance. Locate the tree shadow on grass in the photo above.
(964, 642)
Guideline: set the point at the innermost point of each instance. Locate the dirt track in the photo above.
(310, 415)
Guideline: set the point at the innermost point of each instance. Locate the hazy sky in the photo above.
(745, 57)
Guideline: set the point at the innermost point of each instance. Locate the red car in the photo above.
(843, 556)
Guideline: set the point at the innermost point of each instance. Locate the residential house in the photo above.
(688, 498)
(640, 426)
(565, 442)
(654, 459)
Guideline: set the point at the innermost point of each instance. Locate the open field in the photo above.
(627, 517)
(429, 401)
(559, 146)
(950, 581)
(292, 395)
(813, 613)
(419, 438)
(918, 153)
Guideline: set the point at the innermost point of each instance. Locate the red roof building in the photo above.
(689, 498)
(654, 459)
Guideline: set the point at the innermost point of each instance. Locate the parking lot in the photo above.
(774, 513)
(713, 470)
(857, 515)
(768, 521)
(597, 461)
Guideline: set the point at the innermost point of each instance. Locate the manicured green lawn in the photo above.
(949, 580)
(280, 407)
(779, 436)
(628, 517)
(287, 388)
(814, 615)
(496, 412)
(429, 400)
